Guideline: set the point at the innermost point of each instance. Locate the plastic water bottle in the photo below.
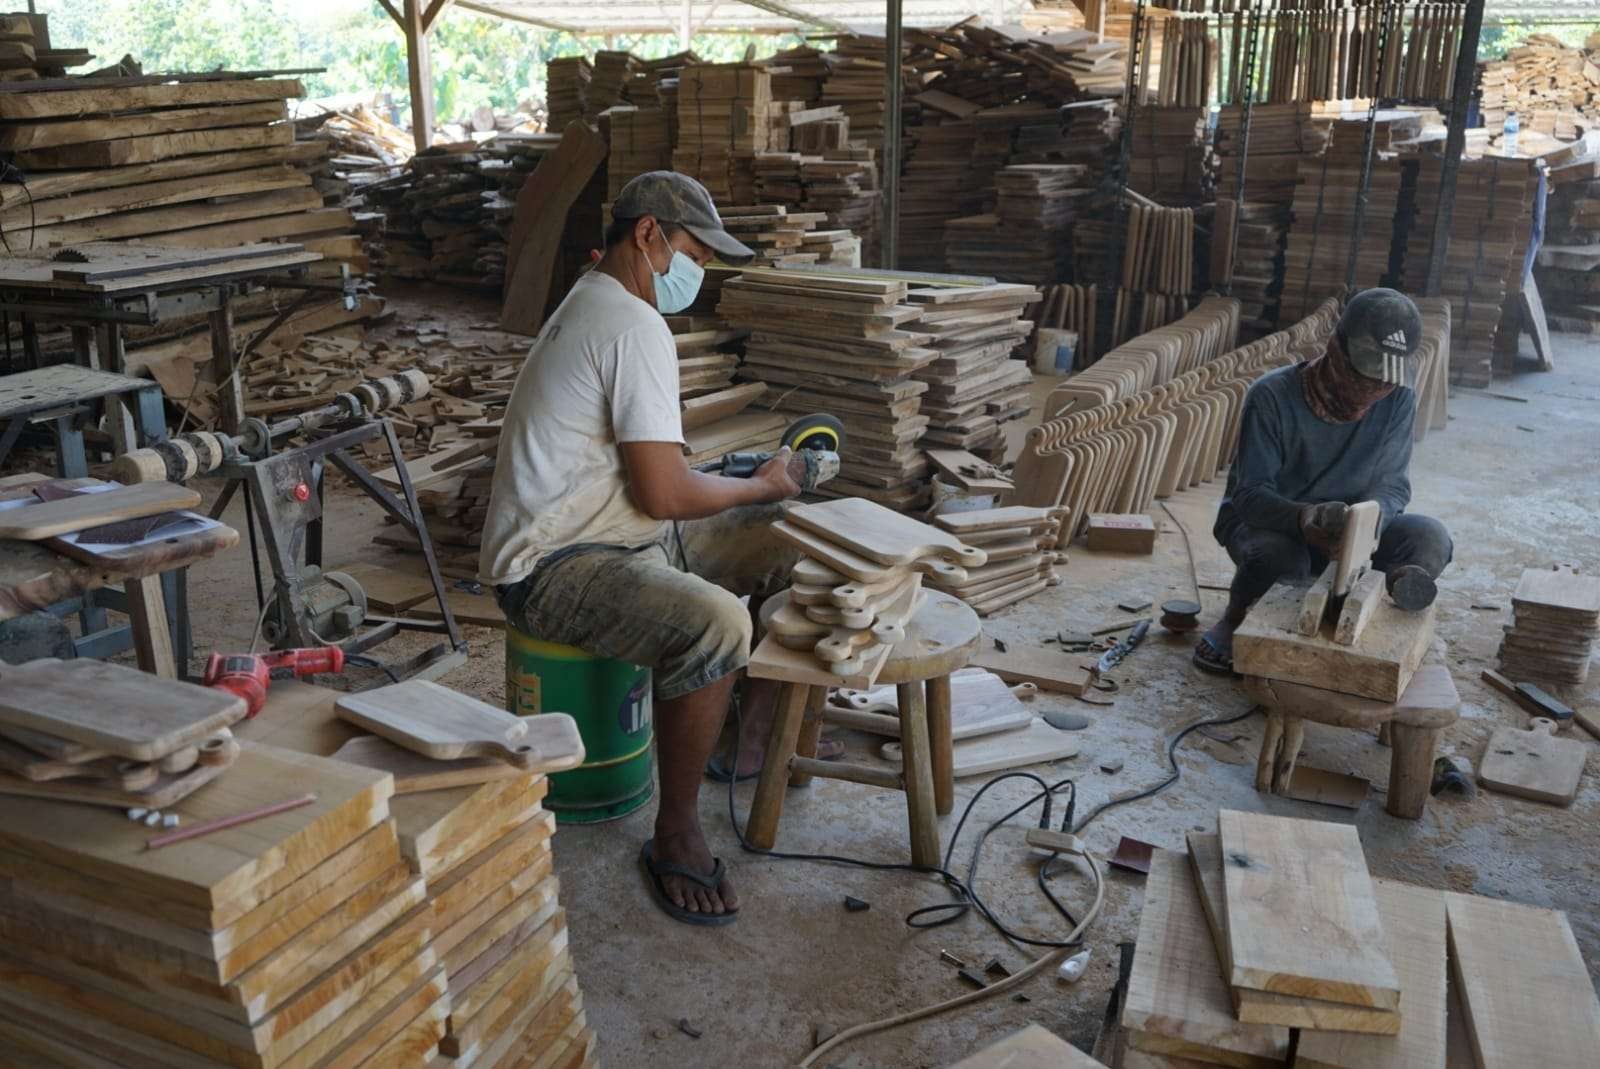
(1513, 124)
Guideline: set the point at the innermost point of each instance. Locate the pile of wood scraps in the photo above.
(1556, 619)
(859, 581)
(1120, 457)
(1223, 973)
(1548, 84)
(841, 343)
(1021, 546)
(1152, 359)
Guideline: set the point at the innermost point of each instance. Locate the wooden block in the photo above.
(1533, 764)
(440, 829)
(1292, 885)
(1046, 669)
(1314, 605)
(1414, 919)
(1177, 1002)
(1379, 666)
(1031, 1048)
(1359, 605)
(1528, 997)
(1356, 546)
(1122, 533)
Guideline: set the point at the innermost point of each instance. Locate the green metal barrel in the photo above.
(610, 700)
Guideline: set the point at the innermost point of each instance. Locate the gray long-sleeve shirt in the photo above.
(1288, 457)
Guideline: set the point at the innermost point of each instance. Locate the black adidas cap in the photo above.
(1380, 331)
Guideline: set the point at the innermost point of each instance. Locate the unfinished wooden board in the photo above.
(1267, 1007)
(80, 511)
(1302, 915)
(1414, 918)
(1308, 784)
(1177, 1002)
(1031, 1048)
(165, 791)
(1527, 994)
(543, 204)
(1047, 669)
(1033, 744)
(113, 708)
(1533, 764)
(1558, 588)
(772, 660)
(1379, 665)
(1356, 546)
(557, 742)
(981, 704)
(1009, 517)
(881, 534)
(441, 723)
(852, 564)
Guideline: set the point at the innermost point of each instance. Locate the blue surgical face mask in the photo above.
(677, 288)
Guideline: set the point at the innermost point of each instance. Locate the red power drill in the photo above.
(248, 674)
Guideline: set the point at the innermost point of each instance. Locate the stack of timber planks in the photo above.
(798, 74)
(723, 121)
(1223, 972)
(781, 237)
(973, 384)
(640, 142)
(26, 53)
(1020, 543)
(203, 160)
(1483, 270)
(842, 343)
(567, 91)
(1556, 621)
(1172, 161)
(937, 184)
(1570, 252)
(610, 78)
(856, 84)
(1028, 238)
(1550, 86)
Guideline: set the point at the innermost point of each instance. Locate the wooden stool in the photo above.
(941, 637)
(1411, 725)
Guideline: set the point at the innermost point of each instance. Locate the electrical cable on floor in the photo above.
(1188, 550)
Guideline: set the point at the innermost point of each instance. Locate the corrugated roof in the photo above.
(771, 16)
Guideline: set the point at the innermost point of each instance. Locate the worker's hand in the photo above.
(775, 475)
(1323, 525)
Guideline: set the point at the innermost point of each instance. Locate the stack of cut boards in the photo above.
(1122, 456)
(1028, 237)
(780, 237)
(1172, 160)
(1567, 258)
(723, 121)
(567, 93)
(639, 143)
(859, 581)
(1556, 619)
(1152, 359)
(1270, 945)
(1021, 545)
(938, 185)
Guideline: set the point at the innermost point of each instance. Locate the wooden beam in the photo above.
(435, 9)
(419, 69)
(398, 18)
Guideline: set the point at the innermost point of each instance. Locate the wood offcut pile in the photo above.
(1552, 87)
(1223, 972)
(1556, 621)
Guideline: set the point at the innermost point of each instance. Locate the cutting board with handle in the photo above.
(162, 790)
(881, 534)
(52, 747)
(981, 703)
(23, 763)
(1533, 763)
(554, 735)
(113, 708)
(79, 511)
(438, 722)
(857, 567)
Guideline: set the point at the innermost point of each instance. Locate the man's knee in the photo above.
(1271, 553)
(1415, 539)
(715, 642)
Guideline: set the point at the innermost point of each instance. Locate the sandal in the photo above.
(1208, 658)
(710, 881)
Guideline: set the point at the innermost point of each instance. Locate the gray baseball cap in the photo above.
(1380, 330)
(676, 198)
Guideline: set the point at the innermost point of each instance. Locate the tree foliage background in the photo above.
(477, 60)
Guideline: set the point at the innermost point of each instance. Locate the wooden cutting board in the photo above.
(857, 567)
(981, 704)
(166, 790)
(1032, 744)
(25, 764)
(557, 742)
(79, 511)
(113, 708)
(1356, 547)
(1533, 764)
(881, 534)
(438, 722)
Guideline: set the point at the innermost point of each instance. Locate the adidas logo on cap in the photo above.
(1397, 340)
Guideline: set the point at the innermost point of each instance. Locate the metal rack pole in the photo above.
(1362, 189)
(894, 39)
(1455, 142)
(1245, 78)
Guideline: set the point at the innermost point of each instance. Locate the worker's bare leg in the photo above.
(686, 732)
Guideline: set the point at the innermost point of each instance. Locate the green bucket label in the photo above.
(525, 693)
(633, 715)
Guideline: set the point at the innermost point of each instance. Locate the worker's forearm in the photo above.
(702, 494)
(1262, 507)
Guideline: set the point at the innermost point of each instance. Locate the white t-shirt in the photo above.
(603, 370)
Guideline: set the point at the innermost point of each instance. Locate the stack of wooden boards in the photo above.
(1548, 84)
(1119, 457)
(26, 53)
(567, 91)
(194, 159)
(781, 237)
(640, 142)
(1272, 939)
(1565, 269)
(723, 121)
(1279, 135)
(1021, 546)
(938, 185)
(155, 744)
(1556, 621)
(1028, 237)
(859, 580)
(1152, 359)
(1172, 161)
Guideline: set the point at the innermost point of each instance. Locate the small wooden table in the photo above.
(941, 636)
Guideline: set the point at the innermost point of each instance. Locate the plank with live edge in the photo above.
(41, 135)
(72, 103)
(154, 147)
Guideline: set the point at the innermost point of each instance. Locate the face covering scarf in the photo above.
(1336, 391)
(677, 287)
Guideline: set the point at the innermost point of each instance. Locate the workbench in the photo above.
(61, 399)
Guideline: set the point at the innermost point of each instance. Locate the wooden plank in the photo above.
(1177, 1002)
(881, 534)
(447, 725)
(79, 511)
(1031, 1048)
(83, 131)
(152, 195)
(1414, 919)
(1267, 1007)
(160, 221)
(95, 100)
(541, 211)
(156, 147)
(1050, 670)
(1524, 985)
(1302, 915)
(415, 772)
(1033, 744)
(1533, 764)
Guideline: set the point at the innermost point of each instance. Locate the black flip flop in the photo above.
(1208, 658)
(710, 881)
(717, 771)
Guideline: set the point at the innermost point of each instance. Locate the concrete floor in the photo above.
(1517, 484)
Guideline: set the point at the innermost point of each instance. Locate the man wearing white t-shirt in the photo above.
(599, 535)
